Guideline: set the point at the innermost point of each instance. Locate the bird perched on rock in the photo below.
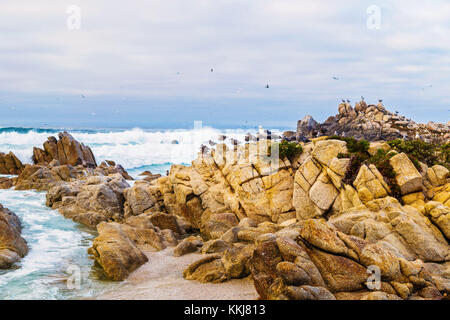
(417, 137)
(380, 100)
(348, 101)
(362, 98)
(343, 100)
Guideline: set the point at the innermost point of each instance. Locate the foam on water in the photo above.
(132, 148)
(55, 243)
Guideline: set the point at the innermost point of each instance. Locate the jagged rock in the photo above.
(214, 246)
(188, 245)
(373, 123)
(109, 167)
(438, 175)
(10, 164)
(377, 145)
(142, 197)
(119, 248)
(208, 269)
(148, 176)
(370, 184)
(115, 252)
(440, 215)
(91, 201)
(66, 150)
(338, 264)
(43, 178)
(408, 178)
(6, 183)
(12, 246)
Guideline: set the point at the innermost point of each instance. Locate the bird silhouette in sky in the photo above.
(83, 96)
(267, 86)
(335, 78)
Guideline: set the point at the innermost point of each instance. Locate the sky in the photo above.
(147, 63)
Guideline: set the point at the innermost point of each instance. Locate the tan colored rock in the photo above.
(66, 150)
(370, 184)
(6, 183)
(442, 194)
(115, 252)
(323, 193)
(417, 200)
(208, 269)
(324, 151)
(92, 201)
(408, 178)
(188, 245)
(438, 175)
(12, 246)
(440, 215)
(10, 164)
(376, 145)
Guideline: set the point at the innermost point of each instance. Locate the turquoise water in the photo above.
(57, 245)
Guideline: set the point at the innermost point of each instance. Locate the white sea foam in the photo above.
(132, 148)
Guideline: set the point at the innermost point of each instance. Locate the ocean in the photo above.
(58, 245)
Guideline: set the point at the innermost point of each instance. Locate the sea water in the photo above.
(58, 246)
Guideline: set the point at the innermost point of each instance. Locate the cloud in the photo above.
(159, 50)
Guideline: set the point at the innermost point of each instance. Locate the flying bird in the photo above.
(212, 70)
(335, 78)
(83, 96)
(267, 86)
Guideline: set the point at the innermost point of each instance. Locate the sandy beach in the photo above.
(161, 278)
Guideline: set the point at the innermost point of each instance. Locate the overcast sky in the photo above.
(147, 62)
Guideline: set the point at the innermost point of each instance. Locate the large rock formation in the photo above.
(63, 160)
(119, 246)
(66, 150)
(303, 232)
(12, 246)
(90, 201)
(303, 228)
(371, 122)
(10, 164)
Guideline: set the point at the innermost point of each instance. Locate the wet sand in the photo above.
(161, 278)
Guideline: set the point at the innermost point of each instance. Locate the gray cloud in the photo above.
(136, 50)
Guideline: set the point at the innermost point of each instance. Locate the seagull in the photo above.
(343, 101)
(348, 101)
(335, 78)
(380, 100)
(362, 98)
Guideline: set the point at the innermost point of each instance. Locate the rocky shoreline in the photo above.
(335, 218)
